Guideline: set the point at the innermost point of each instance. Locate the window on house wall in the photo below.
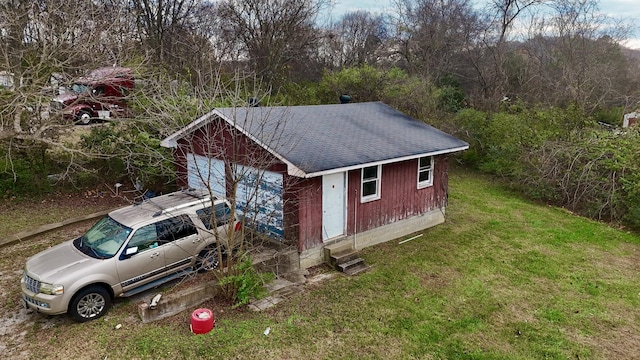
(425, 171)
(371, 183)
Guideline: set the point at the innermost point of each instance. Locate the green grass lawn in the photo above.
(502, 278)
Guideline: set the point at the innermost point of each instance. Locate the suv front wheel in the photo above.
(84, 117)
(90, 304)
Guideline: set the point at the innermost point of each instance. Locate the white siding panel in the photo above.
(259, 199)
(204, 173)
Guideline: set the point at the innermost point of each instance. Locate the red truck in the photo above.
(101, 94)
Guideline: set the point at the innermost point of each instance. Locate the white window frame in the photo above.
(429, 170)
(377, 180)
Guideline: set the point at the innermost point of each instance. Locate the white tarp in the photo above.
(205, 173)
(259, 199)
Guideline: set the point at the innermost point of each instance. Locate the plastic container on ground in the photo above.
(202, 321)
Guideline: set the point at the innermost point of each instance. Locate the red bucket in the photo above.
(202, 321)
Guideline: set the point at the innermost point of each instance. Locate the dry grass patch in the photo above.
(610, 342)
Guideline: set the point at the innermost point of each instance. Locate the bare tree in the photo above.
(44, 44)
(158, 22)
(570, 55)
(216, 157)
(355, 39)
(587, 49)
(431, 35)
(491, 57)
(175, 34)
(505, 13)
(274, 35)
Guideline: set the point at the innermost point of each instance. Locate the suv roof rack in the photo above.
(193, 192)
(200, 201)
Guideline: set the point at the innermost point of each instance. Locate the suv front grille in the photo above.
(32, 284)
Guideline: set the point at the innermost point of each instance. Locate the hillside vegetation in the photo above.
(537, 88)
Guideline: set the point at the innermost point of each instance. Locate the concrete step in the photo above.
(357, 269)
(349, 264)
(265, 303)
(343, 257)
(347, 260)
(278, 284)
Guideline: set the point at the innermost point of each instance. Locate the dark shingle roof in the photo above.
(320, 138)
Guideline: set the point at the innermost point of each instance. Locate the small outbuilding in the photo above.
(314, 176)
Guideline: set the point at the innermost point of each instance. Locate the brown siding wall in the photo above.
(400, 199)
(399, 196)
(309, 201)
(218, 140)
(181, 167)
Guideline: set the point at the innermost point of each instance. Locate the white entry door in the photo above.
(333, 205)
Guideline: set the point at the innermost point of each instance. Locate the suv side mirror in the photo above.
(131, 251)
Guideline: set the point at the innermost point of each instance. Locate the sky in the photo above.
(628, 10)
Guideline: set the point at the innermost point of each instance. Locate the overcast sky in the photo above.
(619, 9)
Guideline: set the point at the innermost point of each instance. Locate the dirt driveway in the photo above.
(18, 325)
(15, 321)
(25, 334)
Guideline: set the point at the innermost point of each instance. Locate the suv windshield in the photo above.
(104, 239)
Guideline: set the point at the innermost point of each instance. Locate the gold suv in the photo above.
(133, 249)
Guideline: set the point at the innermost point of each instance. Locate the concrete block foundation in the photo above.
(359, 241)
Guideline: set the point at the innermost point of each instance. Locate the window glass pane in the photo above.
(183, 227)
(370, 173)
(370, 183)
(175, 228)
(223, 213)
(424, 176)
(104, 231)
(425, 171)
(425, 162)
(144, 238)
(369, 188)
(205, 216)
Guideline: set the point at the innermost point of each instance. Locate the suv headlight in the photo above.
(51, 289)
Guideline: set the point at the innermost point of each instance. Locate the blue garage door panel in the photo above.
(206, 173)
(259, 199)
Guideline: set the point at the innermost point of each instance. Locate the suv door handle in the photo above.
(196, 239)
(155, 254)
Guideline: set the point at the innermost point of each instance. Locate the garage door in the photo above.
(206, 173)
(259, 198)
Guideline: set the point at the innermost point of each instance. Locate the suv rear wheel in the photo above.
(90, 303)
(208, 259)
